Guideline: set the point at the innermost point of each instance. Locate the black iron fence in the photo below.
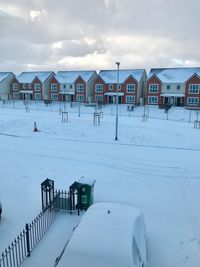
(22, 246)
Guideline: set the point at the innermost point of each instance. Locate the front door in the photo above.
(178, 101)
(120, 99)
(166, 100)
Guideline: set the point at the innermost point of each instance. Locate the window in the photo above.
(98, 98)
(99, 88)
(178, 87)
(80, 98)
(130, 99)
(168, 86)
(64, 86)
(54, 87)
(110, 86)
(24, 86)
(37, 86)
(194, 88)
(153, 88)
(153, 100)
(29, 86)
(15, 86)
(130, 88)
(16, 96)
(193, 101)
(80, 87)
(37, 96)
(71, 86)
(119, 87)
(54, 97)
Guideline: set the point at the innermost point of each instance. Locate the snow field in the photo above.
(154, 166)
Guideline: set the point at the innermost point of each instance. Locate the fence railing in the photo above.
(24, 243)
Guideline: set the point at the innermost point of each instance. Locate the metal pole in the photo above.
(79, 109)
(117, 98)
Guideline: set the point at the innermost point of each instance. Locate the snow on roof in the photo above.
(86, 180)
(174, 75)
(3, 75)
(104, 237)
(28, 77)
(110, 76)
(71, 76)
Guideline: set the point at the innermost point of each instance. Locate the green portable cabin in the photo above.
(85, 192)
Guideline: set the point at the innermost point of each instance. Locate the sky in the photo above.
(94, 34)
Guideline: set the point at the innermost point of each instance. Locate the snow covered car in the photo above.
(0, 209)
(109, 235)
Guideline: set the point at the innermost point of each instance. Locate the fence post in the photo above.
(27, 240)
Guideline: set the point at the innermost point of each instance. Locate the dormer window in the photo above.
(168, 86)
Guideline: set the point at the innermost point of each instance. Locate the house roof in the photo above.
(104, 237)
(110, 76)
(71, 76)
(3, 75)
(174, 75)
(28, 77)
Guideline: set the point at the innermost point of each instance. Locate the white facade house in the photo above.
(5, 80)
(109, 235)
(76, 85)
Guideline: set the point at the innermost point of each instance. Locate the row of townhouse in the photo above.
(176, 86)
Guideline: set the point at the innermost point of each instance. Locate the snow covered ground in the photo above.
(154, 166)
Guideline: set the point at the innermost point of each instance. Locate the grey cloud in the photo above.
(30, 42)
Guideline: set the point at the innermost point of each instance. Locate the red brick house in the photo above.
(54, 89)
(192, 92)
(176, 86)
(130, 87)
(31, 85)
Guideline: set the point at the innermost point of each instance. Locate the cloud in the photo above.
(40, 34)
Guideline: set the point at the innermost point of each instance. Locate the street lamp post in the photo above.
(117, 100)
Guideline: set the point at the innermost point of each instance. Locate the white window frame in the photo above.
(99, 98)
(37, 87)
(99, 88)
(111, 87)
(37, 96)
(168, 86)
(193, 98)
(128, 99)
(15, 86)
(80, 98)
(194, 89)
(150, 98)
(153, 88)
(119, 87)
(54, 87)
(178, 85)
(54, 96)
(80, 87)
(15, 95)
(24, 85)
(130, 88)
(29, 86)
